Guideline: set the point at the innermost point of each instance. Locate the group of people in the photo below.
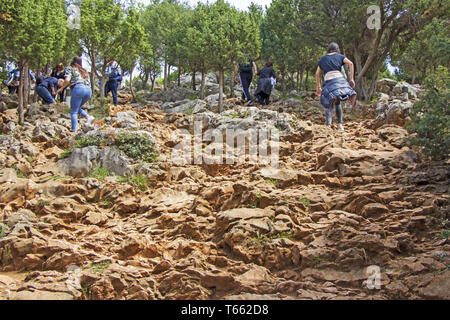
(335, 90)
(267, 80)
(74, 77)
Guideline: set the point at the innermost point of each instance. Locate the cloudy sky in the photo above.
(240, 4)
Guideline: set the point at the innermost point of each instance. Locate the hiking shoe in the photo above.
(340, 127)
(250, 103)
(89, 120)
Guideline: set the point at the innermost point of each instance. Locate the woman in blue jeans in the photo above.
(78, 79)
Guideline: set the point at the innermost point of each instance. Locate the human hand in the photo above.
(352, 83)
(319, 91)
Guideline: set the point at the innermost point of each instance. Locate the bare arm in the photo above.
(318, 89)
(352, 72)
(256, 69)
(65, 85)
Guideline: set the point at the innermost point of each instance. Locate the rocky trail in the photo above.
(339, 203)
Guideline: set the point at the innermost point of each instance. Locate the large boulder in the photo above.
(185, 106)
(386, 85)
(127, 120)
(412, 90)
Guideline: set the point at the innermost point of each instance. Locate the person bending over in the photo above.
(46, 90)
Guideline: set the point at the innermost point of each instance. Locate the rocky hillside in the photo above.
(88, 216)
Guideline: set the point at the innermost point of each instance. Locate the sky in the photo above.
(239, 4)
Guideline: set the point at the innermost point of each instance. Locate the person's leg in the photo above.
(75, 104)
(107, 88)
(44, 94)
(339, 113)
(87, 93)
(329, 114)
(114, 87)
(245, 86)
(267, 100)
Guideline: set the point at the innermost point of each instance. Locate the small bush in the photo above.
(140, 182)
(66, 154)
(137, 147)
(100, 173)
(431, 117)
(87, 142)
(4, 230)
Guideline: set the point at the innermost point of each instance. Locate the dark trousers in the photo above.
(13, 89)
(263, 99)
(246, 80)
(112, 85)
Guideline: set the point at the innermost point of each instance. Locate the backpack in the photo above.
(246, 67)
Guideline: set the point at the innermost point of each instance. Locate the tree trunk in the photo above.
(306, 80)
(93, 72)
(103, 81)
(202, 89)
(194, 86)
(302, 76)
(220, 90)
(26, 87)
(131, 86)
(165, 75)
(179, 76)
(168, 76)
(283, 82)
(20, 107)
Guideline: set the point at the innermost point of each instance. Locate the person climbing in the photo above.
(267, 79)
(13, 80)
(47, 88)
(59, 73)
(246, 73)
(78, 79)
(115, 76)
(335, 88)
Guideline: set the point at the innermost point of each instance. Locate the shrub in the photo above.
(87, 142)
(100, 173)
(4, 230)
(431, 117)
(137, 147)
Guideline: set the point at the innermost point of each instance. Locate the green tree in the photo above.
(32, 32)
(431, 117)
(230, 34)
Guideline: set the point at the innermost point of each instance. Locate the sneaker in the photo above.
(250, 103)
(340, 127)
(89, 120)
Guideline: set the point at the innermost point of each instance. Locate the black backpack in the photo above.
(248, 68)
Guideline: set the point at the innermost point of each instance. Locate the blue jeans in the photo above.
(81, 94)
(246, 80)
(112, 86)
(44, 94)
(329, 112)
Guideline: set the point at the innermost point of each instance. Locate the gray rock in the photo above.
(127, 120)
(22, 216)
(386, 85)
(412, 90)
